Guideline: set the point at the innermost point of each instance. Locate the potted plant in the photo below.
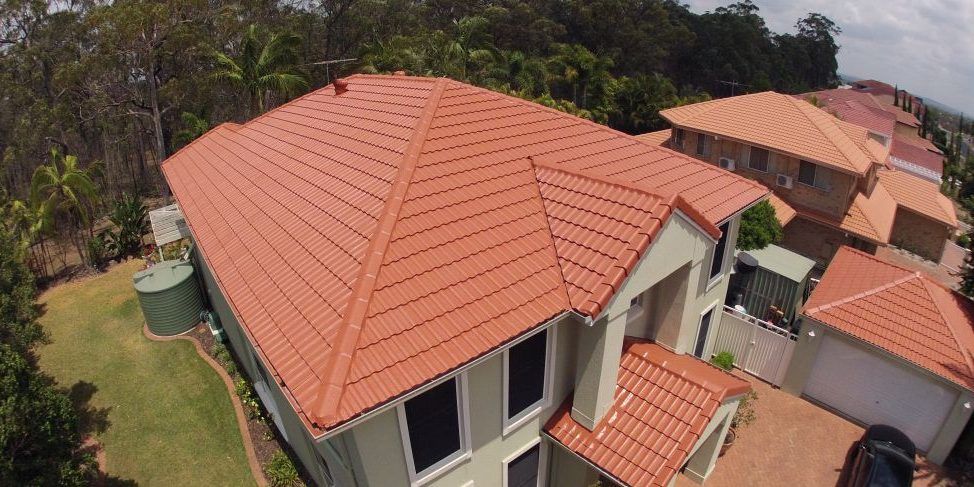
(744, 416)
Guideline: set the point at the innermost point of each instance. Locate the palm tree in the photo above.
(67, 189)
(263, 67)
(469, 44)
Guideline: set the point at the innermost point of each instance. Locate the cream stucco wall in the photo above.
(375, 446)
(378, 442)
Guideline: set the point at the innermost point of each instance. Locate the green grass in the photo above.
(170, 419)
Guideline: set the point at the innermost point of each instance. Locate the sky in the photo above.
(924, 46)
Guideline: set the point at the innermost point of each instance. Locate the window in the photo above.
(524, 470)
(702, 332)
(434, 429)
(703, 145)
(813, 175)
(758, 159)
(526, 378)
(717, 261)
(678, 137)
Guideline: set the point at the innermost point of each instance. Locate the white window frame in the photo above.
(712, 281)
(461, 455)
(696, 336)
(532, 411)
(542, 460)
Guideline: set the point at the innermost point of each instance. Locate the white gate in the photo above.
(760, 348)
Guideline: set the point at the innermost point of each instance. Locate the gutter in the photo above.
(341, 428)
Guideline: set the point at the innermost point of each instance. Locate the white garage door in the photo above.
(876, 390)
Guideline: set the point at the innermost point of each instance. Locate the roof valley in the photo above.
(339, 363)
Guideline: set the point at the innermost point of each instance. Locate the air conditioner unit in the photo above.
(726, 163)
(784, 181)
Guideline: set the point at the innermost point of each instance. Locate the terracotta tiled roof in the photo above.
(904, 152)
(914, 139)
(903, 117)
(663, 402)
(868, 218)
(874, 86)
(898, 310)
(919, 195)
(827, 97)
(659, 137)
(782, 210)
(374, 240)
(876, 119)
(782, 123)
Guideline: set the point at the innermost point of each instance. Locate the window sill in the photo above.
(436, 471)
(716, 280)
(816, 188)
(512, 425)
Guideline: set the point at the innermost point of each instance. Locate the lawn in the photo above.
(169, 419)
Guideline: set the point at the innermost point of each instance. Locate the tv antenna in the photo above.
(327, 64)
(733, 85)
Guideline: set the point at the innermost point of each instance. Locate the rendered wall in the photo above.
(378, 441)
(299, 439)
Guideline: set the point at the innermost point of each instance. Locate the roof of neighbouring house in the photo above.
(919, 195)
(658, 137)
(868, 217)
(374, 239)
(898, 310)
(782, 210)
(826, 97)
(786, 124)
(910, 153)
(663, 402)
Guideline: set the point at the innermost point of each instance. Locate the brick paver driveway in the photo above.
(791, 443)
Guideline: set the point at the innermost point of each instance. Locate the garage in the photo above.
(881, 344)
(876, 390)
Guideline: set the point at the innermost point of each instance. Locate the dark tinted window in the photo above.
(758, 159)
(702, 333)
(717, 263)
(433, 424)
(806, 173)
(526, 373)
(523, 470)
(703, 144)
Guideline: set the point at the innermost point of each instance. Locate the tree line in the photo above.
(128, 82)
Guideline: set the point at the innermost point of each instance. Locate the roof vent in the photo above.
(400, 73)
(341, 86)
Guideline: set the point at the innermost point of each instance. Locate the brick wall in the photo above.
(833, 202)
(918, 234)
(816, 241)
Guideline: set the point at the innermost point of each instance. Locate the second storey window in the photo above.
(434, 425)
(717, 261)
(678, 137)
(526, 378)
(703, 144)
(813, 175)
(758, 159)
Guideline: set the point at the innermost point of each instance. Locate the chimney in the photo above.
(341, 86)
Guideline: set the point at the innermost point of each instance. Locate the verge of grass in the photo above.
(169, 416)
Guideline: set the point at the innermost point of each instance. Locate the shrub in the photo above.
(759, 227)
(745, 414)
(964, 240)
(281, 471)
(724, 360)
(130, 217)
(97, 251)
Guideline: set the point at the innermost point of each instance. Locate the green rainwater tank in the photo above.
(170, 297)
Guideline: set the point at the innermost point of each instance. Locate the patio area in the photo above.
(792, 442)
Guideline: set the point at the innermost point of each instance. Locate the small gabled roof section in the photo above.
(374, 239)
(898, 310)
(658, 137)
(869, 217)
(782, 123)
(782, 210)
(908, 153)
(919, 196)
(663, 402)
